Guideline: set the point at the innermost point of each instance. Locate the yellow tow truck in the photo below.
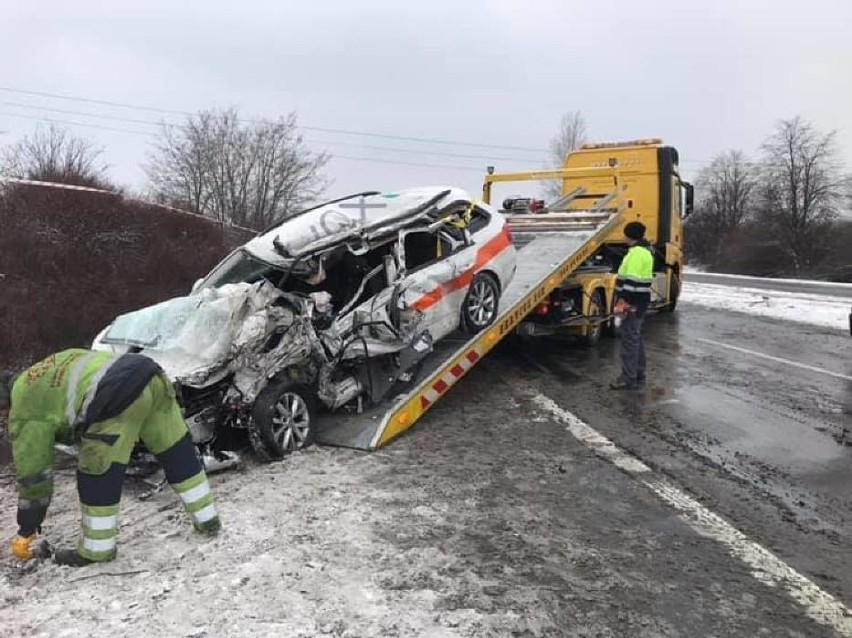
(632, 181)
(569, 251)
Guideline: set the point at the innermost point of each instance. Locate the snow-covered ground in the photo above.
(769, 281)
(821, 310)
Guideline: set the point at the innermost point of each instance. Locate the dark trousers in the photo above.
(632, 347)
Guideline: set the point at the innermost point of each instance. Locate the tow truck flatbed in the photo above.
(543, 264)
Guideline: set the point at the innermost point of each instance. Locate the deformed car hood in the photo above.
(194, 338)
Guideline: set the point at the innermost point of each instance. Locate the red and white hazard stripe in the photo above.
(446, 381)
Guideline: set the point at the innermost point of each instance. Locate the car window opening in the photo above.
(423, 248)
(352, 279)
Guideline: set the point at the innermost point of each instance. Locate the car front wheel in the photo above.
(283, 419)
(480, 304)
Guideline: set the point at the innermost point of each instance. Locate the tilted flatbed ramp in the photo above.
(542, 265)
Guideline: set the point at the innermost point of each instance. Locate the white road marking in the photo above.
(837, 375)
(764, 565)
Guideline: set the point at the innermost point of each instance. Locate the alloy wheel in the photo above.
(291, 421)
(481, 302)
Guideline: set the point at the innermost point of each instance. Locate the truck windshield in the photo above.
(241, 267)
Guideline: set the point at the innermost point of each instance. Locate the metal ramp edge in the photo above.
(542, 265)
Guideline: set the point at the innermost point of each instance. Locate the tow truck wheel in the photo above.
(480, 304)
(674, 291)
(283, 420)
(597, 306)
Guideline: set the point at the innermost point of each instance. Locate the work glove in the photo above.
(621, 307)
(23, 546)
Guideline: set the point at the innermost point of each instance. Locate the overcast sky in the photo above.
(705, 76)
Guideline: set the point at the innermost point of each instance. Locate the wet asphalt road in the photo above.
(541, 536)
(764, 444)
(815, 288)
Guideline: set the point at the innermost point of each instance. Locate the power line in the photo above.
(381, 161)
(70, 123)
(339, 131)
(83, 113)
(333, 156)
(311, 141)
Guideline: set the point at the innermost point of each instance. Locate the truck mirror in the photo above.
(690, 198)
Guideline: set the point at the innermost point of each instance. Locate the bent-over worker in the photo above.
(105, 403)
(633, 294)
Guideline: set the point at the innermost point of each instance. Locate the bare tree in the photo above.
(802, 189)
(249, 174)
(570, 137)
(51, 154)
(727, 189)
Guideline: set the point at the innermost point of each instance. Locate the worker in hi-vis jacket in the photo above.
(106, 404)
(633, 294)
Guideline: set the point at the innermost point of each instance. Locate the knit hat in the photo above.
(6, 379)
(634, 230)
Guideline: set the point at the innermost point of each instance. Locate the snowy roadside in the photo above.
(820, 310)
(769, 281)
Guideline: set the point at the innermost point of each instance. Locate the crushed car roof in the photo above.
(362, 215)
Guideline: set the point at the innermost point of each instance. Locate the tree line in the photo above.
(249, 173)
(788, 211)
(785, 212)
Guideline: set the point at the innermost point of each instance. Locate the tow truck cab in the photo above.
(646, 177)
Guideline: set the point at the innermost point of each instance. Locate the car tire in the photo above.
(283, 419)
(480, 306)
(597, 308)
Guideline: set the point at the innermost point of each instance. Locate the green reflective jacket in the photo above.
(45, 400)
(635, 276)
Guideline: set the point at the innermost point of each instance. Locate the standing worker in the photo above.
(633, 294)
(106, 404)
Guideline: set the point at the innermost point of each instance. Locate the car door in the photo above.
(429, 287)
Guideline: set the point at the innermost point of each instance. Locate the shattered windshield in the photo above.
(241, 267)
(183, 322)
(200, 333)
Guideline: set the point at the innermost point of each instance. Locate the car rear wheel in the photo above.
(480, 303)
(283, 419)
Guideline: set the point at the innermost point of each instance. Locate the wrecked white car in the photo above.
(334, 308)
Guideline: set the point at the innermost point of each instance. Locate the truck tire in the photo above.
(283, 419)
(479, 309)
(674, 291)
(597, 309)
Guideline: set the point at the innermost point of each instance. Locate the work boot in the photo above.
(623, 383)
(209, 528)
(71, 558)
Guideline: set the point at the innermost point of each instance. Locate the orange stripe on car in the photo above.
(489, 251)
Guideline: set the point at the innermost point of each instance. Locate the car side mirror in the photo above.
(197, 284)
